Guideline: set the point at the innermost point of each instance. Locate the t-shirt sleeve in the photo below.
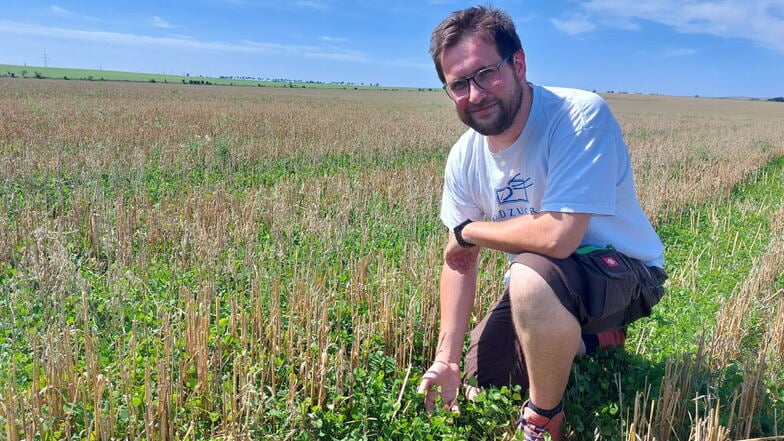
(457, 205)
(584, 168)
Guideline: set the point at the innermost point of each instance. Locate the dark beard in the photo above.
(505, 117)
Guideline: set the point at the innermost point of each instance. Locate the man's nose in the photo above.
(474, 91)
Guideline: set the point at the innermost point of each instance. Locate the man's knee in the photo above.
(529, 293)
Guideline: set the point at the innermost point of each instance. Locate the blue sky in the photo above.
(671, 47)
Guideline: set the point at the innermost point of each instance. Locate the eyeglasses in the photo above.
(484, 79)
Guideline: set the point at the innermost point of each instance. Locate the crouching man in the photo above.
(543, 174)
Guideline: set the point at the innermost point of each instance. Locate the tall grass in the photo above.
(241, 263)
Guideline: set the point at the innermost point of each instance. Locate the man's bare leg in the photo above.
(548, 332)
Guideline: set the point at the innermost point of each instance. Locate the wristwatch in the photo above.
(458, 230)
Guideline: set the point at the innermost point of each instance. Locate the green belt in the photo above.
(590, 248)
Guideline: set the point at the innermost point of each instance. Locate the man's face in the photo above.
(490, 110)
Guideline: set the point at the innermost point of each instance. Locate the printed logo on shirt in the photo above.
(507, 213)
(516, 190)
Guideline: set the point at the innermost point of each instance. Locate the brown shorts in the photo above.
(604, 289)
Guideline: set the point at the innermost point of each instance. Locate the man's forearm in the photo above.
(550, 233)
(458, 291)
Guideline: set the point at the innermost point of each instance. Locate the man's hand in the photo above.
(446, 377)
(458, 258)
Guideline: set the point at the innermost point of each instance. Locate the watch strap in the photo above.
(458, 231)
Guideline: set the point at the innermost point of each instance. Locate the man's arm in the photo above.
(457, 293)
(458, 290)
(553, 234)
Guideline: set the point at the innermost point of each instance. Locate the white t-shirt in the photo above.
(571, 157)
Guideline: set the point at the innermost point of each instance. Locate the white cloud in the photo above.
(158, 22)
(761, 21)
(60, 11)
(678, 52)
(575, 24)
(67, 13)
(526, 19)
(355, 57)
(309, 4)
(182, 43)
(121, 39)
(334, 39)
(277, 47)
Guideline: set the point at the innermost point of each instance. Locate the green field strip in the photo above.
(710, 251)
(65, 73)
(161, 180)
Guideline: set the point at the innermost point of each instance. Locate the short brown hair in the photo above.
(492, 25)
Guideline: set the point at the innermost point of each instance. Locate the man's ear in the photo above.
(519, 64)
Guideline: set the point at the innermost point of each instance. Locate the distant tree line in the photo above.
(196, 82)
(291, 82)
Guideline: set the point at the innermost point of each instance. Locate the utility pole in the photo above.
(45, 65)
